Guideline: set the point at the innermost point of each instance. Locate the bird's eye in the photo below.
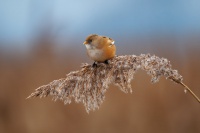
(90, 40)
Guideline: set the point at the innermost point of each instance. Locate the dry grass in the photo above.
(89, 84)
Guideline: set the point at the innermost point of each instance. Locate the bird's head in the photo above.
(97, 41)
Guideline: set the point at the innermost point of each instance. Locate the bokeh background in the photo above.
(41, 40)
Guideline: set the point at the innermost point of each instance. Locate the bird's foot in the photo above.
(94, 64)
(106, 61)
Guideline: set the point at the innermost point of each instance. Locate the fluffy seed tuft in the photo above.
(89, 84)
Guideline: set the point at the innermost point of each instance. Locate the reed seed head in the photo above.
(89, 84)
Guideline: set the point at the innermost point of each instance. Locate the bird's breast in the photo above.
(96, 54)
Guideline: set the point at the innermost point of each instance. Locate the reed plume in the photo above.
(89, 84)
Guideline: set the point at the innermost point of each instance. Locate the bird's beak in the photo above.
(85, 43)
(113, 42)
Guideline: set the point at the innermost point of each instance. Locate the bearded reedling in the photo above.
(100, 48)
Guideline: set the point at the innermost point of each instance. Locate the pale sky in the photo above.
(25, 19)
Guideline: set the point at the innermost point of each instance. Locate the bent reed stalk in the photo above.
(89, 84)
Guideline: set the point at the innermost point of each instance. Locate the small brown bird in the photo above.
(100, 48)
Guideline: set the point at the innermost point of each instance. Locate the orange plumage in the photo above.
(100, 48)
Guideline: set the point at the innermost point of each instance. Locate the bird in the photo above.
(100, 48)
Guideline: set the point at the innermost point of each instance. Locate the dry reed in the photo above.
(89, 84)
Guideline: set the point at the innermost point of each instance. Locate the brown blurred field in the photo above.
(152, 108)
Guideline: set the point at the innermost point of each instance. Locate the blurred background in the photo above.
(41, 40)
